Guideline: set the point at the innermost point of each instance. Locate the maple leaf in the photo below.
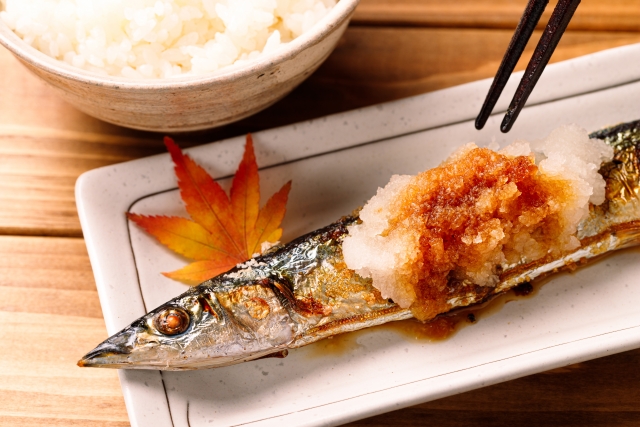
(223, 230)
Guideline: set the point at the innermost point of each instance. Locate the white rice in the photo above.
(160, 38)
(389, 255)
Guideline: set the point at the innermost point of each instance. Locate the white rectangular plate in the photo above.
(336, 163)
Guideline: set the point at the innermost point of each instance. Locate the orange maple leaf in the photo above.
(223, 231)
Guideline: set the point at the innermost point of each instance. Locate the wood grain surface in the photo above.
(49, 306)
(599, 15)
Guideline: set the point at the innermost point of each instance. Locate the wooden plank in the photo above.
(40, 167)
(50, 317)
(45, 144)
(55, 264)
(39, 422)
(600, 15)
(80, 303)
(65, 422)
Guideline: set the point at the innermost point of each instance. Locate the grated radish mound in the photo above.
(159, 38)
(477, 213)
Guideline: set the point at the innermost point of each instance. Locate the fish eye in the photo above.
(172, 321)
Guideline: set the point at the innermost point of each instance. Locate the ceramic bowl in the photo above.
(193, 102)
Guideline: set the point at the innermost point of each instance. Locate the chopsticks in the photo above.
(558, 22)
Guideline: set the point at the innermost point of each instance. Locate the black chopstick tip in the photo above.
(507, 122)
(484, 114)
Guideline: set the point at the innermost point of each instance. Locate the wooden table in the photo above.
(49, 309)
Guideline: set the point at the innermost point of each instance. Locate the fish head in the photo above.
(207, 326)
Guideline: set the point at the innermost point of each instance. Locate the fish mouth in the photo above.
(106, 355)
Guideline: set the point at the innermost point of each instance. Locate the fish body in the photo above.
(289, 297)
(302, 292)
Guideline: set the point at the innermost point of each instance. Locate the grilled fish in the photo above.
(302, 292)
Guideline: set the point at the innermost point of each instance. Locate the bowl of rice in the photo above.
(172, 65)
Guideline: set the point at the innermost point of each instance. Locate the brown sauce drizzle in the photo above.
(439, 329)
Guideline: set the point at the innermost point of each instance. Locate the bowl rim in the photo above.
(27, 53)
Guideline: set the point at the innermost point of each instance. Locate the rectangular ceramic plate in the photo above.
(337, 163)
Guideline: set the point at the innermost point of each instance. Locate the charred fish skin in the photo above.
(302, 292)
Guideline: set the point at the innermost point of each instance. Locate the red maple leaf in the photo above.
(223, 230)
